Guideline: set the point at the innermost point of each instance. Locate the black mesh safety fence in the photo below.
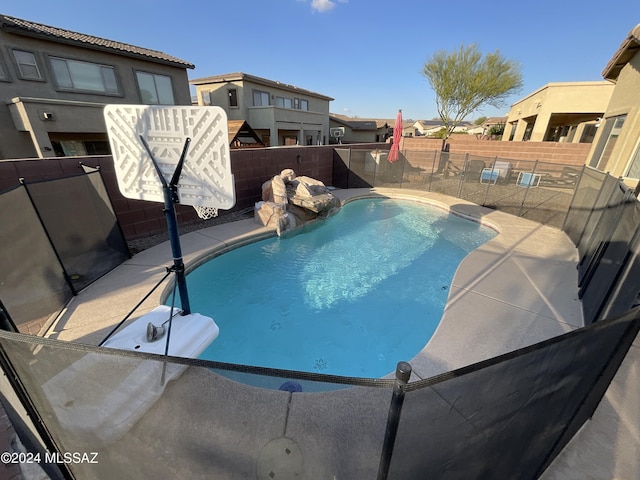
(540, 191)
(587, 201)
(202, 422)
(33, 283)
(509, 417)
(612, 257)
(603, 221)
(137, 415)
(58, 237)
(78, 216)
(606, 214)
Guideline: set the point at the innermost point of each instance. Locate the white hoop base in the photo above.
(206, 212)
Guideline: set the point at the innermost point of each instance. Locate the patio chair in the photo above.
(499, 171)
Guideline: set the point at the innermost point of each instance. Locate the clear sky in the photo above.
(366, 54)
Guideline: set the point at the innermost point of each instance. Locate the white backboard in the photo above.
(337, 132)
(206, 178)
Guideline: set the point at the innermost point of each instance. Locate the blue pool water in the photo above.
(351, 295)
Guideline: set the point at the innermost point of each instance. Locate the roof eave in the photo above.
(17, 30)
(628, 49)
(238, 76)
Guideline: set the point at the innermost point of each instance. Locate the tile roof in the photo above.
(240, 77)
(627, 50)
(54, 34)
(362, 123)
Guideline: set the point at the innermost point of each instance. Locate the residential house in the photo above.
(616, 147)
(359, 130)
(55, 84)
(484, 129)
(559, 112)
(431, 128)
(279, 113)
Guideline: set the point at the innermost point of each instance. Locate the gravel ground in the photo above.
(140, 244)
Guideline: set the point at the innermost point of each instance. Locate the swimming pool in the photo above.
(351, 295)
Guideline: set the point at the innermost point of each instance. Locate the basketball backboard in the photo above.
(337, 132)
(206, 179)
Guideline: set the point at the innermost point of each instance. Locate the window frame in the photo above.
(232, 94)
(611, 129)
(155, 76)
(262, 94)
(73, 88)
(304, 104)
(4, 68)
(635, 160)
(36, 65)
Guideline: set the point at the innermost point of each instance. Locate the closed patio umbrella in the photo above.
(397, 135)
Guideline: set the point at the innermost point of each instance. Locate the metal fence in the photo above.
(604, 223)
(539, 191)
(57, 237)
(507, 417)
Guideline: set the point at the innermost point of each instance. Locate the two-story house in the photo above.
(359, 130)
(54, 84)
(279, 113)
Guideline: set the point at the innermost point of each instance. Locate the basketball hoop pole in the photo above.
(170, 191)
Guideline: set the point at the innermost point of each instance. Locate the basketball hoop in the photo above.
(206, 213)
(145, 141)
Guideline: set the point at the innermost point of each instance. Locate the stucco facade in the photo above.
(616, 148)
(360, 130)
(559, 112)
(281, 114)
(55, 83)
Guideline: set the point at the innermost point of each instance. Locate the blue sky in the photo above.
(366, 54)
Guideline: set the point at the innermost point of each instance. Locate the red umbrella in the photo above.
(397, 135)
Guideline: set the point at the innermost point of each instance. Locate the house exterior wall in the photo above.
(624, 101)
(584, 101)
(25, 132)
(275, 124)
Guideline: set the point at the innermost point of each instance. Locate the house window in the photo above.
(634, 166)
(304, 104)
(233, 97)
(283, 102)
(260, 98)
(296, 103)
(206, 98)
(84, 76)
(155, 89)
(588, 134)
(27, 65)
(607, 142)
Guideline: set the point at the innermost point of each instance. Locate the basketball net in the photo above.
(206, 212)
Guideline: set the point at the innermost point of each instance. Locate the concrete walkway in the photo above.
(516, 290)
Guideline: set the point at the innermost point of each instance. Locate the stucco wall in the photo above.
(556, 98)
(624, 100)
(73, 112)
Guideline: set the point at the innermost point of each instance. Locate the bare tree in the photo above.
(464, 80)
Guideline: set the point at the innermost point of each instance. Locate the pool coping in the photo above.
(524, 281)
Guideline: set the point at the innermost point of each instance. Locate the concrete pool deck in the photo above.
(516, 290)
